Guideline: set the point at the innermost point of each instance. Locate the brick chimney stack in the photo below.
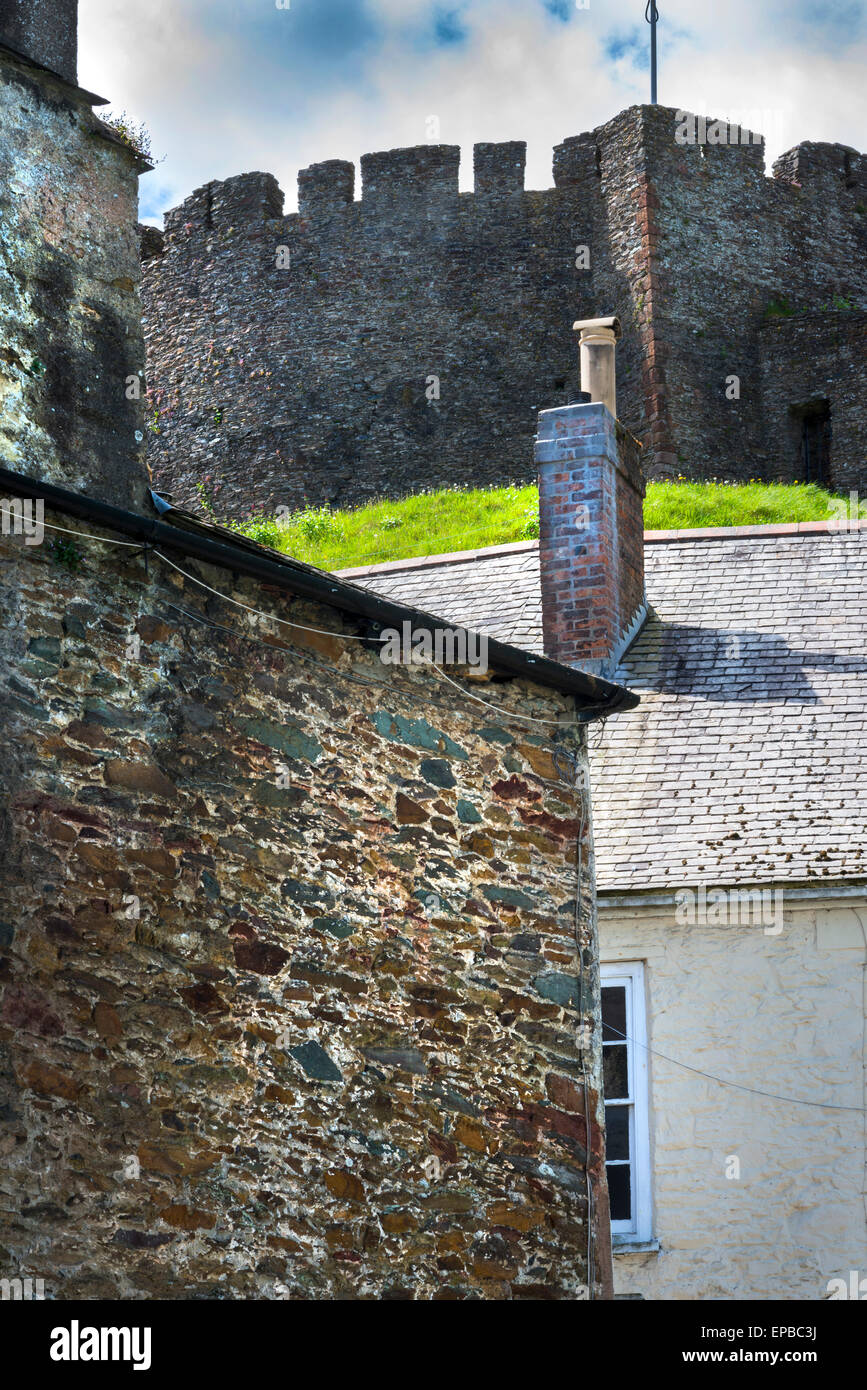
(591, 530)
(45, 31)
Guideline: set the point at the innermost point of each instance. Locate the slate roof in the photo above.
(745, 760)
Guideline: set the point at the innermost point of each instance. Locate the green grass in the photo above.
(681, 506)
(432, 523)
(426, 524)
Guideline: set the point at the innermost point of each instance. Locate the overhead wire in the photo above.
(86, 535)
(736, 1085)
(503, 713)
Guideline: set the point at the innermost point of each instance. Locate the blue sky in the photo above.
(232, 85)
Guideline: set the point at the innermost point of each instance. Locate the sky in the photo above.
(228, 86)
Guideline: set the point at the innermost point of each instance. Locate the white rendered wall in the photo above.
(782, 1013)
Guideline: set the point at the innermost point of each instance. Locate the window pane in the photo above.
(613, 1012)
(615, 1075)
(620, 1192)
(617, 1131)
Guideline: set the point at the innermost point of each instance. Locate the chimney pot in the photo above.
(597, 348)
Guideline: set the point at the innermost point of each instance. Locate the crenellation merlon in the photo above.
(577, 160)
(325, 189)
(242, 201)
(815, 161)
(246, 198)
(498, 169)
(422, 173)
(151, 242)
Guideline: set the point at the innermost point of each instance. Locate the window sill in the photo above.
(628, 1245)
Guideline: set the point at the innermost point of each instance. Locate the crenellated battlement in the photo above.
(397, 333)
(403, 185)
(577, 160)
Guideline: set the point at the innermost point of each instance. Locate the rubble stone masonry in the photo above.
(291, 1000)
(407, 339)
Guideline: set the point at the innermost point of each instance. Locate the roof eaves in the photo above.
(216, 545)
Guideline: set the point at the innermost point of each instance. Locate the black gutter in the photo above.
(597, 697)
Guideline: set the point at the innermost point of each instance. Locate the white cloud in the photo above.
(227, 87)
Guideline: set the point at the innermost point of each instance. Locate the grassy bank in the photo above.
(431, 523)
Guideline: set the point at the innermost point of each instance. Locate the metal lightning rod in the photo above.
(651, 14)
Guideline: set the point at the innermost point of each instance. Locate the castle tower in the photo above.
(72, 365)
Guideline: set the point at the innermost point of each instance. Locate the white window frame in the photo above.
(630, 975)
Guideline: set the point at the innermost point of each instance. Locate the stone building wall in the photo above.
(289, 981)
(277, 377)
(71, 346)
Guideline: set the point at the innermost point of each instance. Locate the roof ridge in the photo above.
(832, 527)
(700, 533)
(450, 557)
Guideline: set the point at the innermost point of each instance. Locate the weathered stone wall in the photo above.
(815, 357)
(728, 243)
(281, 926)
(781, 1013)
(70, 314)
(311, 382)
(275, 383)
(46, 31)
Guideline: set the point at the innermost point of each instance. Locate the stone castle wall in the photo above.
(71, 347)
(289, 974)
(279, 376)
(812, 358)
(730, 244)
